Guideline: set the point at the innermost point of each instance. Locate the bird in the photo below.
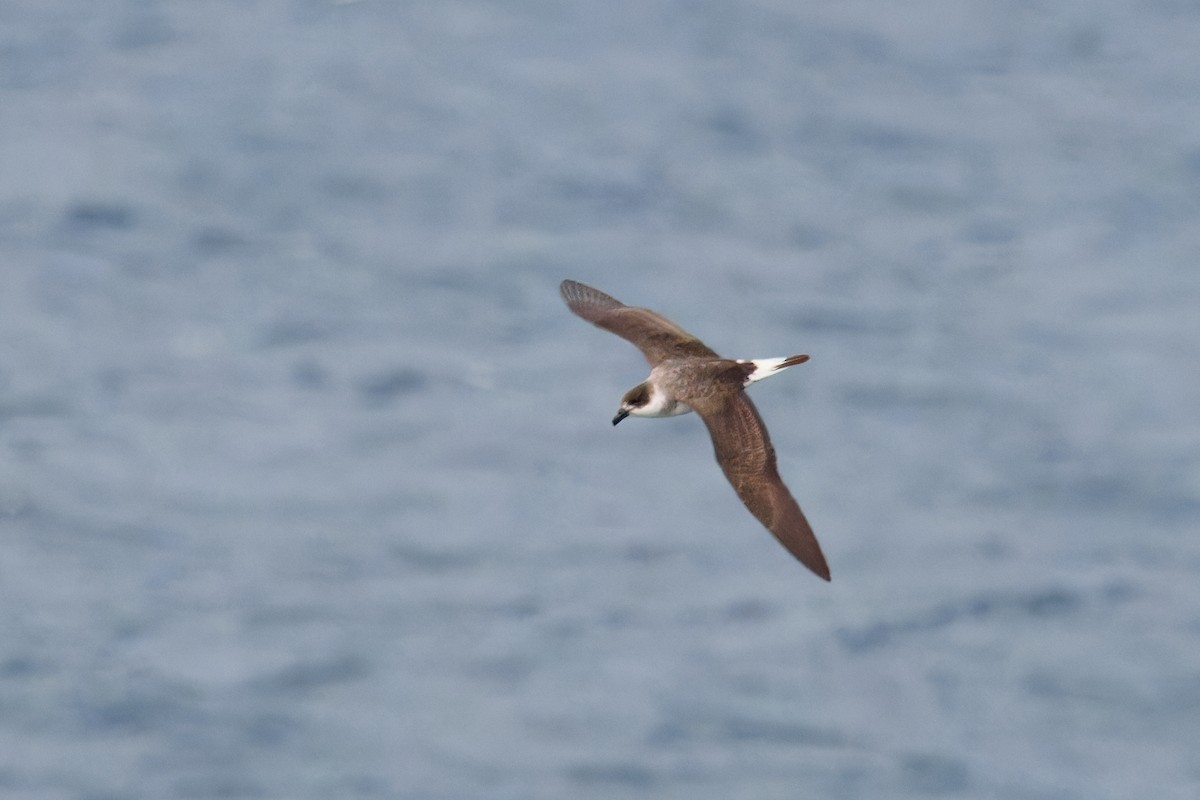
(686, 375)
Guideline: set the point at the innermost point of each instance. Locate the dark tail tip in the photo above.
(792, 361)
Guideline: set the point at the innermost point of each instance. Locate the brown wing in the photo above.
(656, 336)
(745, 453)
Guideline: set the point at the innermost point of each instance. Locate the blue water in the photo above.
(307, 482)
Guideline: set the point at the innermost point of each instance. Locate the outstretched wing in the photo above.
(745, 453)
(656, 336)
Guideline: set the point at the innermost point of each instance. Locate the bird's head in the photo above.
(634, 401)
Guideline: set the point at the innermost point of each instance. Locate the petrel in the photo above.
(686, 375)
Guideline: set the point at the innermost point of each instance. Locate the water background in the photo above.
(307, 482)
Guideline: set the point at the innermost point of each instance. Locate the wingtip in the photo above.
(818, 566)
(803, 545)
(576, 292)
(581, 298)
(807, 551)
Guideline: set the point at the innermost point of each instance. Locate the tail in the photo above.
(766, 367)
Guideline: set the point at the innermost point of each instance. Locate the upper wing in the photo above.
(745, 453)
(656, 336)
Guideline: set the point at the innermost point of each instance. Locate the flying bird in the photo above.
(686, 375)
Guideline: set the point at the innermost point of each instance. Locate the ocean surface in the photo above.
(308, 486)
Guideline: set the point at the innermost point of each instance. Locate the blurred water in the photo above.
(307, 484)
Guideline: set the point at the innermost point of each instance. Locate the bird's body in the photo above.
(686, 376)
